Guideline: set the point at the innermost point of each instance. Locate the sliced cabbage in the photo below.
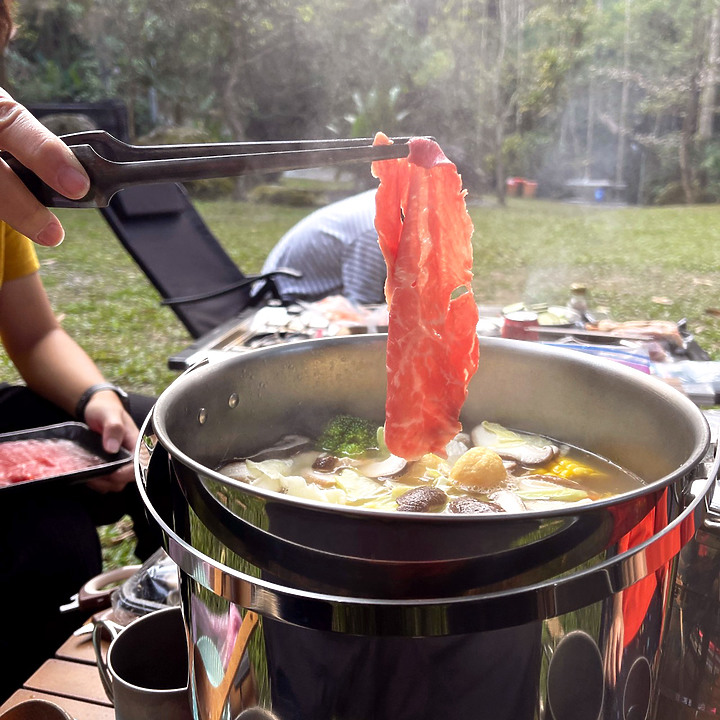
(529, 450)
(269, 474)
(275, 475)
(358, 489)
(382, 447)
(297, 487)
(545, 505)
(532, 488)
(237, 470)
(383, 503)
(490, 434)
(303, 460)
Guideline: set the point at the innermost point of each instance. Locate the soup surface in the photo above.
(490, 469)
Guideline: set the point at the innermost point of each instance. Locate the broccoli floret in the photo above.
(348, 435)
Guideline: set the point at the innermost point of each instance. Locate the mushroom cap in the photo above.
(466, 505)
(422, 499)
(388, 467)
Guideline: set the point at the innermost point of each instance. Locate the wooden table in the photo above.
(70, 680)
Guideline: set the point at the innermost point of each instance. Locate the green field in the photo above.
(642, 263)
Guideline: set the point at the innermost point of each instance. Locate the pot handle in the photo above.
(97, 592)
(114, 630)
(713, 500)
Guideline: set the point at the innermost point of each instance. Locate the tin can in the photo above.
(521, 325)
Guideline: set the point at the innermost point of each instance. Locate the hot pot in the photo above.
(312, 611)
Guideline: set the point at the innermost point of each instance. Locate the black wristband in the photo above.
(85, 398)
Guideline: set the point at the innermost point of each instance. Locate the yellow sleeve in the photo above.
(17, 254)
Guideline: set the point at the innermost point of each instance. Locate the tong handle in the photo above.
(108, 177)
(44, 193)
(109, 147)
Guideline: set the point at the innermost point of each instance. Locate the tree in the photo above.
(623, 89)
(49, 59)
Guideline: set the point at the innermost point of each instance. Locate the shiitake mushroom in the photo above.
(422, 499)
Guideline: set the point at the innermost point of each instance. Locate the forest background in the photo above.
(552, 90)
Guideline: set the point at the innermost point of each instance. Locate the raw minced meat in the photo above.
(34, 459)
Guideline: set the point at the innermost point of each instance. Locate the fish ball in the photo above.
(479, 467)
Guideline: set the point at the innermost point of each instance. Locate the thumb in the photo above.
(112, 439)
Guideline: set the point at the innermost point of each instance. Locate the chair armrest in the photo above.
(266, 279)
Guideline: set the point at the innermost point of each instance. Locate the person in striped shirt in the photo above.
(336, 250)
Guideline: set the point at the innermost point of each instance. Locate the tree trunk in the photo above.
(130, 103)
(710, 80)
(625, 94)
(232, 91)
(690, 118)
(519, 56)
(590, 132)
(498, 109)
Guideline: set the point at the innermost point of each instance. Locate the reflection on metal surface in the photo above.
(222, 676)
(689, 676)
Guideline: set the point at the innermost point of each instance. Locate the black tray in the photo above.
(82, 435)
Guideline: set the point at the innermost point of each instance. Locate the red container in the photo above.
(521, 325)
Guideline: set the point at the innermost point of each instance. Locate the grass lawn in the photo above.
(642, 263)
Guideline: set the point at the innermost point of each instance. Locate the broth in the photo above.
(490, 469)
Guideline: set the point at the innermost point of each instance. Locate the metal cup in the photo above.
(145, 674)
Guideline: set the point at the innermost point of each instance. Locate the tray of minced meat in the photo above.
(67, 452)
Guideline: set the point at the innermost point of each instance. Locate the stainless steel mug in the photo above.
(145, 673)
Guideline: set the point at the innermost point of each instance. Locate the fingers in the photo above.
(119, 431)
(105, 415)
(47, 156)
(613, 655)
(113, 434)
(115, 482)
(19, 209)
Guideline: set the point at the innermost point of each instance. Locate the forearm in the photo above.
(57, 368)
(54, 366)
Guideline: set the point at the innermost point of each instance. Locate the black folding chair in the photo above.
(168, 239)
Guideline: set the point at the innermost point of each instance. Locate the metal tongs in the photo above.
(113, 164)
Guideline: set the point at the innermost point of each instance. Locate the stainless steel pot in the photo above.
(298, 611)
(238, 406)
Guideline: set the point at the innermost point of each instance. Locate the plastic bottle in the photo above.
(578, 300)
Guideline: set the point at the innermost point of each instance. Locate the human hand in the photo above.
(49, 158)
(613, 655)
(105, 415)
